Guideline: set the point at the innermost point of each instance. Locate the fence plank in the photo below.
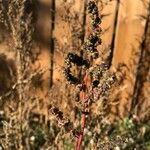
(43, 35)
(142, 84)
(129, 33)
(108, 23)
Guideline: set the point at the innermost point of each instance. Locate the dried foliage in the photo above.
(91, 91)
(96, 81)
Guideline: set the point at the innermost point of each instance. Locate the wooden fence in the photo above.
(124, 32)
(62, 26)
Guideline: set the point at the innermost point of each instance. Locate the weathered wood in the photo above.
(129, 33)
(141, 98)
(108, 22)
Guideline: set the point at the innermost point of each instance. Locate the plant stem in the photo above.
(83, 117)
(81, 136)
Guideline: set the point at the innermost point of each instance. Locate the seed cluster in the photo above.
(93, 40)
(97, 80)
(89, 46)
(70, 78)
(75, 59)
(62, 121)
(97, 72)
(93, 11)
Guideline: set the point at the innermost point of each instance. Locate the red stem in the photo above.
(80, 138)
(83, 118)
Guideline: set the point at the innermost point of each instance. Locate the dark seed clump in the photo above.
(93, 10)
(78, 60)
(70, 78)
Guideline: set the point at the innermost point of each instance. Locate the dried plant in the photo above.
(95, 81)
(92, 93)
